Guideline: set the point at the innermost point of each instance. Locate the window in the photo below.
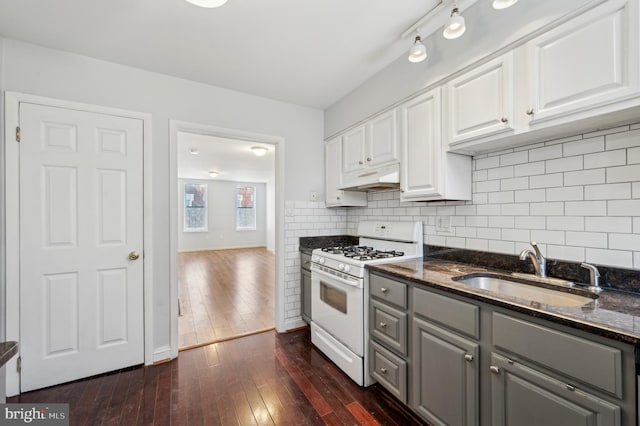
(195, 207)
(245, 208)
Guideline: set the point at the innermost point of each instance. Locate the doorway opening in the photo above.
(226, 237)
(226, 223)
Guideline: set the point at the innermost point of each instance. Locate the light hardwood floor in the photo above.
(225, 294)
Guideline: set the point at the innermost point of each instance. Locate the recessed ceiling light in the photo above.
(259, 150)
(208, 3)
(213, 173)
(503, 4)
(194, 151)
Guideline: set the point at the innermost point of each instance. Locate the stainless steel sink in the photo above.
(530, 290)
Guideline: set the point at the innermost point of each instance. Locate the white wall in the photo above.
(45, 72)
(271, 212)
(2, 235)
(487, 31)
(578, 197)
(222, 233)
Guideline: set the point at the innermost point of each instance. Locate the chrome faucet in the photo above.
(538, 260)
(594, 276)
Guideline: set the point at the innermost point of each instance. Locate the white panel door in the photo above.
(353, 150)
(383, 139)
(588, 62)
(81, 215)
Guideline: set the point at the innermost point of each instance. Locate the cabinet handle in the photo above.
(504, 119)
(368, 158)
(494, 369)
(383, 289)
(360, 162)
(530, 111)
(383, 324)
(383, 370)
(570, 388)
(468, 357)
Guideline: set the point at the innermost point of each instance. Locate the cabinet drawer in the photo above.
(388, 290)
(590, 362)
(459, 316)
(388, 325)
(389, 370)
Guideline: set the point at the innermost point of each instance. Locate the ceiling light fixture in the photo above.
(418, 51)
(213, 173)
(194, 151)
(208, 3)
(455, 26)
(503, 4)
(259, 151)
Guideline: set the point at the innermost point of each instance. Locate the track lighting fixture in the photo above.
(418, 51)
(503, 4)
(207, 3)
(455, 26)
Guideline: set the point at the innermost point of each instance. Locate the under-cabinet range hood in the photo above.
(374, 179)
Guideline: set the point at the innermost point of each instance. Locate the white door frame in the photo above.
(201, 129)
(12, 219)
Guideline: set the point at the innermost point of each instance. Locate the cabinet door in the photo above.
(382, 147)
(305, 283)
(480, 102)
(421, 146)
(588, 62)
(525, 397)
(353, 150)
(335, 197)
(446, 376)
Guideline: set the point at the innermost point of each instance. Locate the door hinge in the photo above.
(19, 366)
(18, 134)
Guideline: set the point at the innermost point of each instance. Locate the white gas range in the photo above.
(340, 287)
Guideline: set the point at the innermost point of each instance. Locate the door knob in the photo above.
(133, 255)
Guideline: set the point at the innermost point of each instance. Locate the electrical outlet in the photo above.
(443, 223)
(313, 196)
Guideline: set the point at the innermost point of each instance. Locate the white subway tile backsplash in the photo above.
(480, 198)
(633, 155)
(466, 232)
(584, 146)
(624, 241)
(573, 254)
(514, 158)
(548, 237)
(585, 177)
(623, 207)
(489, 209)
(466, 210)
(477, 244)
(547, 209)
(636, 259)
(488, 186)
(529, 169)
(476, 221)
(487, 163)
(566, 164)
(514, 183)
(511, 234)
(636, 225)
(623, 140)
(455, 242)
(635, 192)
(565, 223)
(585, 208)
(530, 222)
(605, 159)
(608, 224)
(490, 233)
(546, 153)
(546, 181)
(499, 246)
(567, 193)
(610, 191)
(501, 197)
(500, 172)
(480, 175)
(623, 173)
(519, 209)
(622, 259)
(586, 239)
(501, 221)
(530, 195)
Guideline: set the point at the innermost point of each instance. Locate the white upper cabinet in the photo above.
(427, 172)
(480, 102)
(383, 139)
(335, 197)
(353, 150)
(587, 62)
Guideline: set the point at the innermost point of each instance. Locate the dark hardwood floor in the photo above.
(263, 379)
(224, 294)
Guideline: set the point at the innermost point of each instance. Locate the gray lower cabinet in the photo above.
(523, 396)
(305, 286)
(446, 376)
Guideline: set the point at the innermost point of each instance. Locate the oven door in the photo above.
(337, 306)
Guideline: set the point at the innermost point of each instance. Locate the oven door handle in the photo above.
(352, 282)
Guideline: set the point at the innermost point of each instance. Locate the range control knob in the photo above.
(347, 268)
(341, 266)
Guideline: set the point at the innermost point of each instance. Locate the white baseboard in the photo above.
(291, 324)
(163, 353)
(220, 248)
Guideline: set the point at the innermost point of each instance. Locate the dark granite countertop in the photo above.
(7, 351)
(307, 244)
(614, 315)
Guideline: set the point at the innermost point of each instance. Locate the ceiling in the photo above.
(307, 52)
(233, 159)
